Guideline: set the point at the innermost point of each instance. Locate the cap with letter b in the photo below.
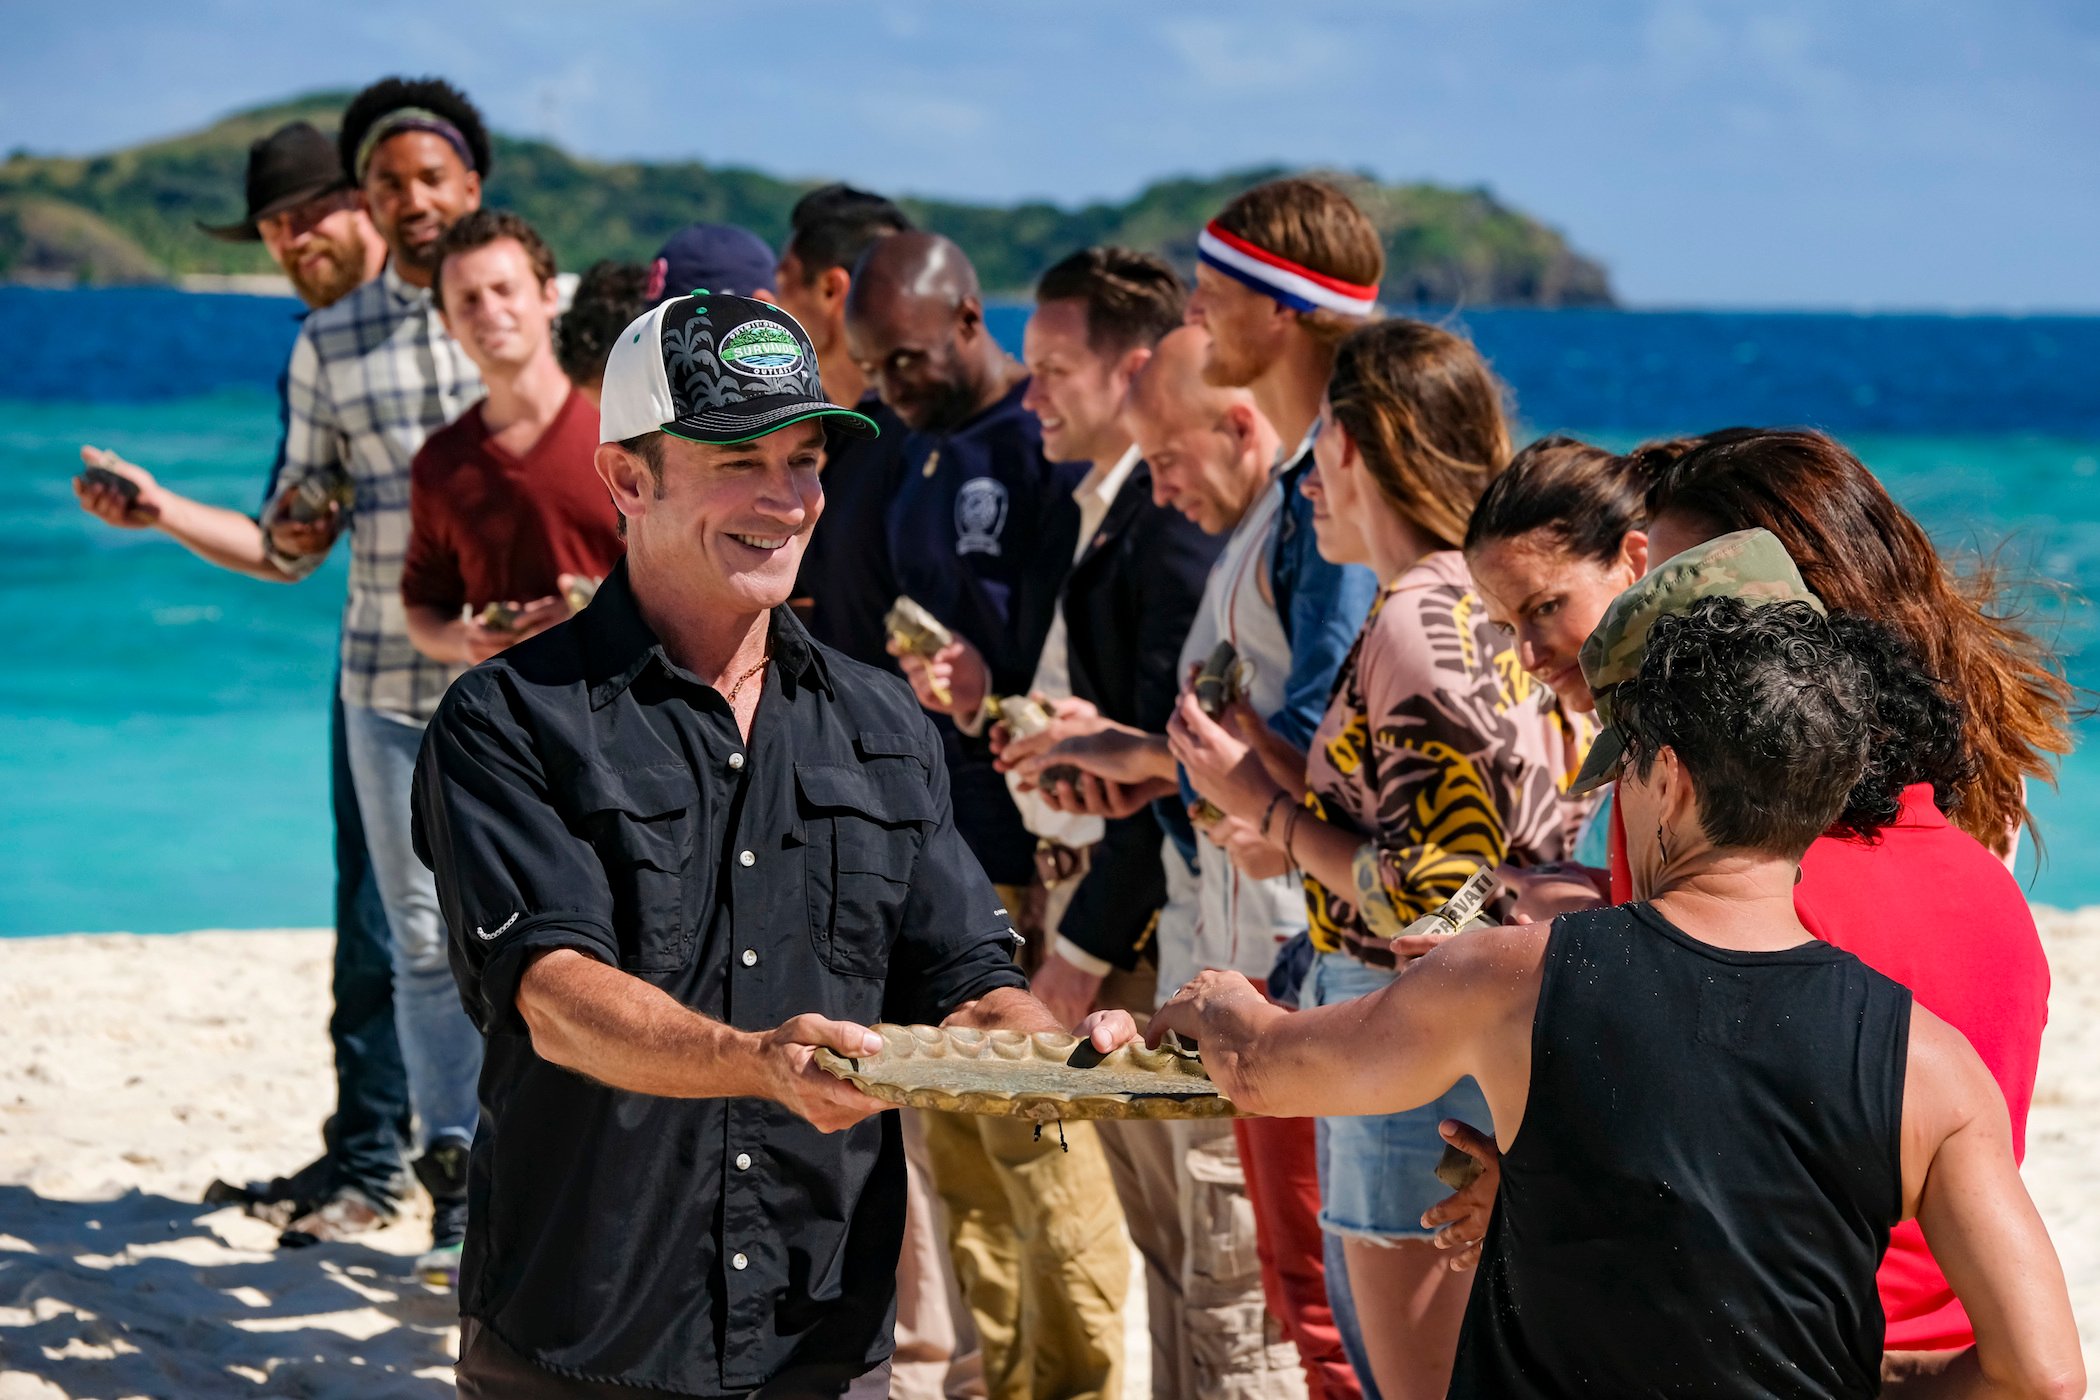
(715, 369)
(1748, 564)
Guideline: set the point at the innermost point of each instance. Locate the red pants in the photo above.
(1279, 1159)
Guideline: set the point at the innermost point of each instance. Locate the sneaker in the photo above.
(346, 1213)
(281, 1199)
(439, 1266)
(443, 1172)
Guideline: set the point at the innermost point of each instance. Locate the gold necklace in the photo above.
(735, 689)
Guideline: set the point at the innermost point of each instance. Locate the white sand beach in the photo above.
(133, 1070)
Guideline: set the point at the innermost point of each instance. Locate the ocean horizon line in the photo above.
(267, 286)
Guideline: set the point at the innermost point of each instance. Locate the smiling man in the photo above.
(505, 505)
(681, 846)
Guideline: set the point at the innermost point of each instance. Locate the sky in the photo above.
(1883, 154)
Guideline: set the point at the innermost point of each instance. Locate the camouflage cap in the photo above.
(1750, 564)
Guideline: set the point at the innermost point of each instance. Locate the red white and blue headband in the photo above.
(1273, 275)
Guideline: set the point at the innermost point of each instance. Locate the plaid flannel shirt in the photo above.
(371, 377)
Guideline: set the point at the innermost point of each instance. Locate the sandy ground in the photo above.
(134, 1070)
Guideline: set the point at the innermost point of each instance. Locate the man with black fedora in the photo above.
(303, 210)
(302, 207)
(680, 847)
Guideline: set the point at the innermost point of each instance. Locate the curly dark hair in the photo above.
(1916, 729)
(608, 297)
(1768, 709)
(391, 95)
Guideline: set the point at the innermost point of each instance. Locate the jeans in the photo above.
(440, 1048)
(1381, 1168)
(371, 1089)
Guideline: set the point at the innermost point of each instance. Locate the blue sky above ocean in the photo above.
(1769, 153)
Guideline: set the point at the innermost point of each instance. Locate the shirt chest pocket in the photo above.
(862, 827)
(641, 823)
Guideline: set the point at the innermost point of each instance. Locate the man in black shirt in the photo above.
(680, 846)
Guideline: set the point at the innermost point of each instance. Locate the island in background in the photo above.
(130, 216)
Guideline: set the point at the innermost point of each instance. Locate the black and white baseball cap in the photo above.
(718, 369)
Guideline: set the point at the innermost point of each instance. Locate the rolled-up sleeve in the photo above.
(512, 877)
(956, 940)
(314, 446)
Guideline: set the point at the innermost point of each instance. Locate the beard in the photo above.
(1230, 366)
(335, 269)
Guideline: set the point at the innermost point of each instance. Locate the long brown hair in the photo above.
(1425, 411)
(1860, 551)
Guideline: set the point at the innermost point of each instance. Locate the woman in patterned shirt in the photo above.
(1439, 755)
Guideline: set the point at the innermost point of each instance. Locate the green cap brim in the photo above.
(860, 419)
(1602, 765)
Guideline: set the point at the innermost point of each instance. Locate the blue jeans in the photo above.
(1381, 1168)
(440, 1048)
(371, 1089)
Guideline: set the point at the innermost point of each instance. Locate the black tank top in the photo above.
(1704, 1181)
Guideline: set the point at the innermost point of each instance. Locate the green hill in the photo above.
(130, 216)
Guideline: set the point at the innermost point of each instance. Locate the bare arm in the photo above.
(1960, 1180)
(214, 534)
(619, 1030)
(1116, 752)
(1464, 1009)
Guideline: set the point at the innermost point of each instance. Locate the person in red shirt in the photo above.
(507, 515)
(1888, 900)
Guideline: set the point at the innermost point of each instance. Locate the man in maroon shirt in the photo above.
(507, 514)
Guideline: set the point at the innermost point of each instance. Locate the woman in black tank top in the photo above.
(1718, 1119)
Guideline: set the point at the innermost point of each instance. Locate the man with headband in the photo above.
(1283, 273)
(682, 847)
(371, 377)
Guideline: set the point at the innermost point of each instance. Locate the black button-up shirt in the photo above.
(583, 791)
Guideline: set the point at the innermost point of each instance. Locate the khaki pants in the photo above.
(937, 1353)
(1040, 1251)
(1185, 1199)
(1036, 1235)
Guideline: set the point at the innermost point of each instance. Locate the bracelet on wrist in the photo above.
(1290, 830)
(1268, 812)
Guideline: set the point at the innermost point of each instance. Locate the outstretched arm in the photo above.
(1961, 1182)
(1465, 1009)
(214, 534)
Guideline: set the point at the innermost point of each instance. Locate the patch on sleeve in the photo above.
(487, 937)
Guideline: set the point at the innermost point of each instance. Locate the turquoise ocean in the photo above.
(163, 725)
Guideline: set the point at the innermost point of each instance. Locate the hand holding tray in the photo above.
(1041, 1076)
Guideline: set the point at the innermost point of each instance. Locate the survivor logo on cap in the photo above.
(762, 347)
(715, 369)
